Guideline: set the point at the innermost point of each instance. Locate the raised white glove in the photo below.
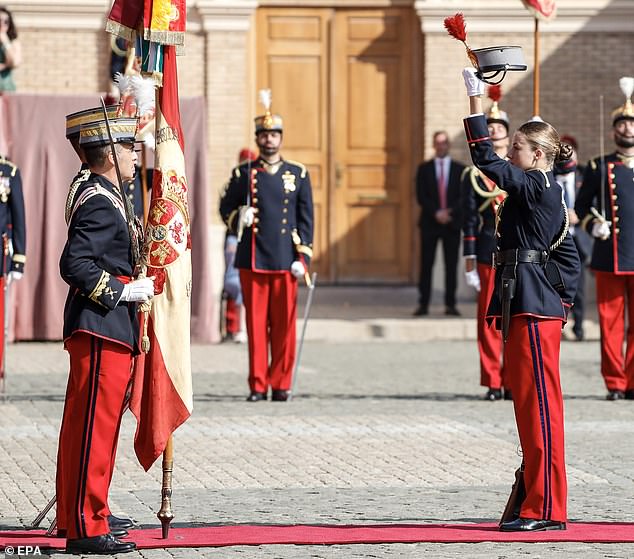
(474, 85)
(247, 215)
(12, 276)
(298, 269)
(601, 230)
(473, 279)
(138, 291)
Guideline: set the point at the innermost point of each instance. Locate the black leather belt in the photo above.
(520, 255)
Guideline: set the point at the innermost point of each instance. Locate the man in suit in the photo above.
(438, 193)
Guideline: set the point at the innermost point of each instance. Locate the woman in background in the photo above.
(10, 52)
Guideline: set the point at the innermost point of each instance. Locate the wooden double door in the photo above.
(346, 82)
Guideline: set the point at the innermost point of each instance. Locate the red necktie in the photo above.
(442, 191)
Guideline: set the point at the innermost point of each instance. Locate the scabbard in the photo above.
(516, 498)
(508, 292)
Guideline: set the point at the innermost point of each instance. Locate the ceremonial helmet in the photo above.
(496, 114)
(75, 120)
(95, 134)
(625, 111)
(267, 121)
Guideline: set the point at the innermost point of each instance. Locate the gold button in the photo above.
(284, 221)
(255, 229)
(254, 181)
(472, 145)
(255, 190)
(614, 196)
(286, 200)
(256, 219)
(285, 210)
(612, 176)
(283, 230)
(256, 210)
(255, 200)
(616, 230)
(131, 186)
(616, 218)
(616, 208)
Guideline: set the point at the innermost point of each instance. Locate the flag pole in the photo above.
(165, 515)
(536, 70)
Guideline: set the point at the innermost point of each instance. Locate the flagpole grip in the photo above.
(165, 515)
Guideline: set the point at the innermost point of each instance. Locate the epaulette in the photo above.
(595, 162)
(236, 171)
(5, 161)
(302, 167)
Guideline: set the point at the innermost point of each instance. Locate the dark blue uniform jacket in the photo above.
(531, 217)
(615, 254)
(96, 263)
(12, 217)
(479, 206)
(283, 227)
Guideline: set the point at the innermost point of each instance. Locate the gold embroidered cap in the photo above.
(75, 120)
(625, 111)
(94, 134)
(267, 121)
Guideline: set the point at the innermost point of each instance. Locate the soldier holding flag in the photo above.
(268, 203)
(101, 334)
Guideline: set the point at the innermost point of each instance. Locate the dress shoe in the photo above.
(615, 395)
(452, 311)
(629, 394)
(119, 532)
(118, 522)
(256, 396)
(493, 394)
(105, 544)
(531, 525)
(420, 311)
(508, 395)
(279, 395)
(579, 335)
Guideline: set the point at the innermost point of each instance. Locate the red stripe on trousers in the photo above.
(270, 301)
(533, 376)
(100, 372)
(614, 293)
(489, 339)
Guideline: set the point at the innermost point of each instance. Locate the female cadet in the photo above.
(537, 267)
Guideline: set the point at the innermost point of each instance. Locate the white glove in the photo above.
(601, 230)
(247, 215)
(298, 269)
(12, 276)
(138, 291)
(474, 85)
(473, 279)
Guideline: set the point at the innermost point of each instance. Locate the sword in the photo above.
(310, 283)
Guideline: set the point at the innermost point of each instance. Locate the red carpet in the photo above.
(218, 536)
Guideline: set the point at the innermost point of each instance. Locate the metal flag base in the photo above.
(310, 282)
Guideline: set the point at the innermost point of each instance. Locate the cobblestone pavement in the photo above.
(380, 432)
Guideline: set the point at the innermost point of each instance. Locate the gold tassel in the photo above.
(145, 339)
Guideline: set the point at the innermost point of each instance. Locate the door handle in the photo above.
(338, 174)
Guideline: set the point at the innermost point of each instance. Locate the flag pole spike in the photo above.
(165, 515)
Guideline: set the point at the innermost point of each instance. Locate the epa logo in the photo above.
(22, 550)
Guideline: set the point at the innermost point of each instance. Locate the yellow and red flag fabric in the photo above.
(544, 9)
(162, 21)
(162, 397)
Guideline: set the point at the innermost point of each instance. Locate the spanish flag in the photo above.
(162, 396)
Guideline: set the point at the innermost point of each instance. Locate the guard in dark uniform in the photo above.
(605, 206)
(268, 204)
(537, 267)
(480, 200)
(13, 231)
(101, 335)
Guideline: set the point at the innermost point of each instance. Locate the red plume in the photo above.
(495, 92)
(455, 25)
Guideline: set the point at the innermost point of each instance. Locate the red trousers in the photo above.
(532, 365)
(100, 372)
(490, 343)
(615, 297)
(232, 316)
(270, 300)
